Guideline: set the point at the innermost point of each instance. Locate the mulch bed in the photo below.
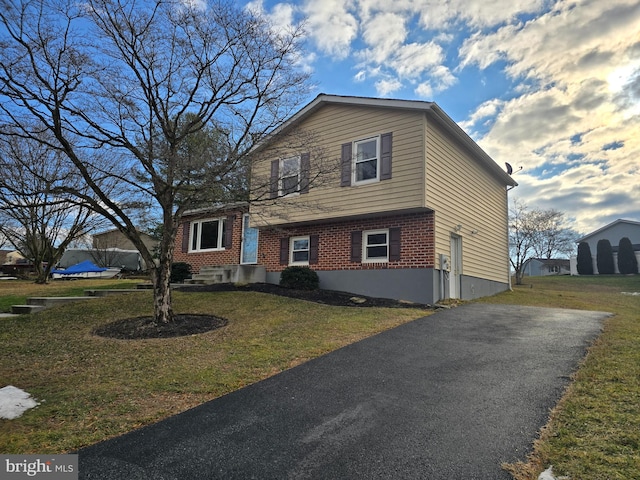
(327, 297)
(141, 328)
(187, 324)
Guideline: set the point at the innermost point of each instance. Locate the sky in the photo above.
(549, 86)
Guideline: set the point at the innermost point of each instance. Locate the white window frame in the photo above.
(281, 169)
(356, 161)
(195, 235)
(365, 237)
(292, 242)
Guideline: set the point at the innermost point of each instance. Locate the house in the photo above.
(219, 244)
(114, 238)
(110, 248)
(413, 209)
(536, 267)
(614, 232)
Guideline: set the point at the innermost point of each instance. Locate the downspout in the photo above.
(506, 198)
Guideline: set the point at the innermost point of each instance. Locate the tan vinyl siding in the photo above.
(338, 124)
(463, 193)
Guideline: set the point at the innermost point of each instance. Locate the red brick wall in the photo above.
(228, 256)
(417, 248)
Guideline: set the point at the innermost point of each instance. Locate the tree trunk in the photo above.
(161, 277)
(519, 276)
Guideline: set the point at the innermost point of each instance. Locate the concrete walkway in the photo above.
(449, 396)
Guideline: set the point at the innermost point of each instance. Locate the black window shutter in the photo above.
(394, 244)
(385, 154)
(228, 231)
(273, 182)
(345, 178)
(314, 240)
(305, 172)
(185, 237)
(356, 246)
(284, 251)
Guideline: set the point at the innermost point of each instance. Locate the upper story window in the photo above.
(366, 160)
(289, 176)
(207, 234)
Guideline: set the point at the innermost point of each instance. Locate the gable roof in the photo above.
(429, 108)
(606, 227)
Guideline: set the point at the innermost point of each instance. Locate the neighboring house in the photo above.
(415, 209)
(536, 267)
(110, 249)
(116, 239)
(614, 232)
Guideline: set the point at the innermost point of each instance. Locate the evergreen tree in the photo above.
(604, 258)
(627, 261)
(584, 260)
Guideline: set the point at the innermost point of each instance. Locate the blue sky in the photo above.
(552, 86)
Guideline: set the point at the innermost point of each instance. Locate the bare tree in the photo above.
(521, 238)
(36, 220)
(537, 234)
(553, 238)
(135, 80)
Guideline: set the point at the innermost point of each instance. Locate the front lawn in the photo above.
(92, 388)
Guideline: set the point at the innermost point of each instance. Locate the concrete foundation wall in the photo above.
(411, 284)
(473, 287)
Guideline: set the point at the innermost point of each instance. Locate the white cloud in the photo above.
(384, 34)
(387, 86)
(414, 59)
(331, 26)
(437, 14)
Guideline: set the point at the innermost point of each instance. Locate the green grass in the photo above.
(594, 432)
(16, 292)
(91, 388)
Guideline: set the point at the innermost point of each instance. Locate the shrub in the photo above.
(180, 271)
(627, 261)
(604, 258)
(299, 278)
(584, 260)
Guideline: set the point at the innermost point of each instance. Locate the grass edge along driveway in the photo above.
(593, 432)
(92, 388)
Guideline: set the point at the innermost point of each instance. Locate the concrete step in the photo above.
(51, 301)
(105, 293)
(26, 309)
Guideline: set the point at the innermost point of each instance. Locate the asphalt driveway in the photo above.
(449, 396)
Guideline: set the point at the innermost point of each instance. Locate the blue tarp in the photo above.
(82, 267)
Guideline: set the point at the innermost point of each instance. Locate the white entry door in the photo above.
(249, 248)
(456, 266)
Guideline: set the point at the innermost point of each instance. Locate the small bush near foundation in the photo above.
(299, 278)
(180, 271)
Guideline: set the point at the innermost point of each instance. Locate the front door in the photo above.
(456, 266)
(249, 253)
